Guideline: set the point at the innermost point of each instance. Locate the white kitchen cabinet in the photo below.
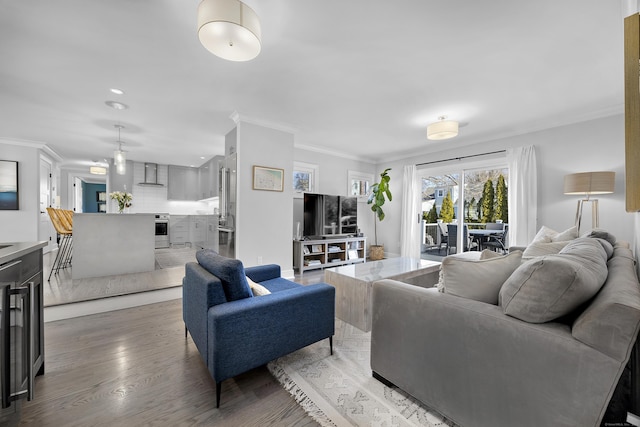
(179, 230)
(182, 183)
(197, 230)
(208, 178)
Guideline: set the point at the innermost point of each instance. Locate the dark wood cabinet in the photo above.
(21, 329)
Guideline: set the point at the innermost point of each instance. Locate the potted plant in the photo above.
(376, 199)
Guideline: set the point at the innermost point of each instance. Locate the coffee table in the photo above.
(354, 284)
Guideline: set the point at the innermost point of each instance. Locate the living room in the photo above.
(590, 137)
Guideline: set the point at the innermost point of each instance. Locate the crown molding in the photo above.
(241, 118)
(335, 153)
(33, 144)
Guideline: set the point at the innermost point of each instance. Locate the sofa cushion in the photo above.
(602, 234)
(478, 279)
(548, 241)
(549, 287)
(470, 255)
(257, 289)
(230, 272)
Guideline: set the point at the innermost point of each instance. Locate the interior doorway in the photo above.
(46, 231)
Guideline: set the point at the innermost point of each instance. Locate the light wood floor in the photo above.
(134, 367)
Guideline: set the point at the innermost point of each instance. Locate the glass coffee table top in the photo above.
(384, 269)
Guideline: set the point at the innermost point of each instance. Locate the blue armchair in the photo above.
(235, 331)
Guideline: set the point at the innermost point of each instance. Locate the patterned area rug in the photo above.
(339, 390)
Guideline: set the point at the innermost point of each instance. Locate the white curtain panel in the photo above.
(410, 223)
(523, 195)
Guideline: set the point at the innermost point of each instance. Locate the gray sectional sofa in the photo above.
(548, 352)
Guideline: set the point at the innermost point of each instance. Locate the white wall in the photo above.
(22, 225)
(264, 218)
(588, 146)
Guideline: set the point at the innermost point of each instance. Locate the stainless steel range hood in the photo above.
(151, 175)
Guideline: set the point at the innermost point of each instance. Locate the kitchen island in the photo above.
(112, 244)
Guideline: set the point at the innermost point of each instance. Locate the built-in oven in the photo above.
(162, 231)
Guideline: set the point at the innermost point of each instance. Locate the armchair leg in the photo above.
(218, 391)
(185, 331)
(331, 344)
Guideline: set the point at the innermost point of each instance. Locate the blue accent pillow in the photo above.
(230, 272)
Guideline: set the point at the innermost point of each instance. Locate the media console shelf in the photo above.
(314, 254)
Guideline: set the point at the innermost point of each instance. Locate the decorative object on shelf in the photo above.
(376, 199)
(442, 129)
(589, 183)
(9, 195)
(123, 198)
(229, 29)
(269, 179)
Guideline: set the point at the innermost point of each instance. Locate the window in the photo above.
(305, 176)
(359, 184)
(474, 194)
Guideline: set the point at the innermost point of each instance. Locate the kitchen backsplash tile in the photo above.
(152, 199)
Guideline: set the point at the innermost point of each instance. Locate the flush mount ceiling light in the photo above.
(116, 105)
(442, 129)
(229, 29)
(116, 91)
(119, 156)
(98, 170)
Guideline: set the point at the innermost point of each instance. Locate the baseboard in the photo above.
(84, 308)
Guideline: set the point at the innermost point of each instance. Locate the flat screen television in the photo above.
(326, 216)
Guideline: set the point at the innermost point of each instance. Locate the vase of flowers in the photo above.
(123, 198)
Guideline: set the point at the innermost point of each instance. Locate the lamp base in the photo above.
(595, 219)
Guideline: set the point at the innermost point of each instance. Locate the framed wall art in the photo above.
(9, 194)
(268, 179)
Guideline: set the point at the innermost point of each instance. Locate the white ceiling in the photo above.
(361, 78)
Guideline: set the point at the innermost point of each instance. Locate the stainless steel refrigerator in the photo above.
(227, 198)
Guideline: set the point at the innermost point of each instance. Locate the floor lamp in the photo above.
(589, 183)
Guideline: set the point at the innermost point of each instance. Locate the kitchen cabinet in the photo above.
(21, 326)
(208, 178)
(178, 230)
(197, 230)
(182, 183)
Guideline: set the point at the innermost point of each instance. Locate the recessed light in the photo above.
(116, 91)
(116, 105)
(202, 157)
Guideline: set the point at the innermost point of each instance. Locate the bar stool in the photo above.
(66, 218)
(65, 240)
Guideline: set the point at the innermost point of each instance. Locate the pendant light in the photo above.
(442, 129)
(119, 156)
(229, 29)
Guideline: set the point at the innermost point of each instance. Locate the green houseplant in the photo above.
(379, 191)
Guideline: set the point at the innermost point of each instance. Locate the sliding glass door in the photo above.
(469, 199)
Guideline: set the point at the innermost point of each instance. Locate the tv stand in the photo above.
(330, 252)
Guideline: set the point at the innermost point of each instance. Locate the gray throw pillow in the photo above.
(478, 279)
(546, 288)
(230, 272)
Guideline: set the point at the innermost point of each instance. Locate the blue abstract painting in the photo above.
(9, 196)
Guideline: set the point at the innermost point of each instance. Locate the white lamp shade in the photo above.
(444, 129)
(98, 170)
(229, 29)
(590, 183)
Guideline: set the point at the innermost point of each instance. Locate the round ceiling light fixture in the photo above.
(116, 105)
(229, 29)
(442, 129)
(116, 91)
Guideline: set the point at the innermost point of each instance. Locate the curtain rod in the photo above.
(460, 158)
